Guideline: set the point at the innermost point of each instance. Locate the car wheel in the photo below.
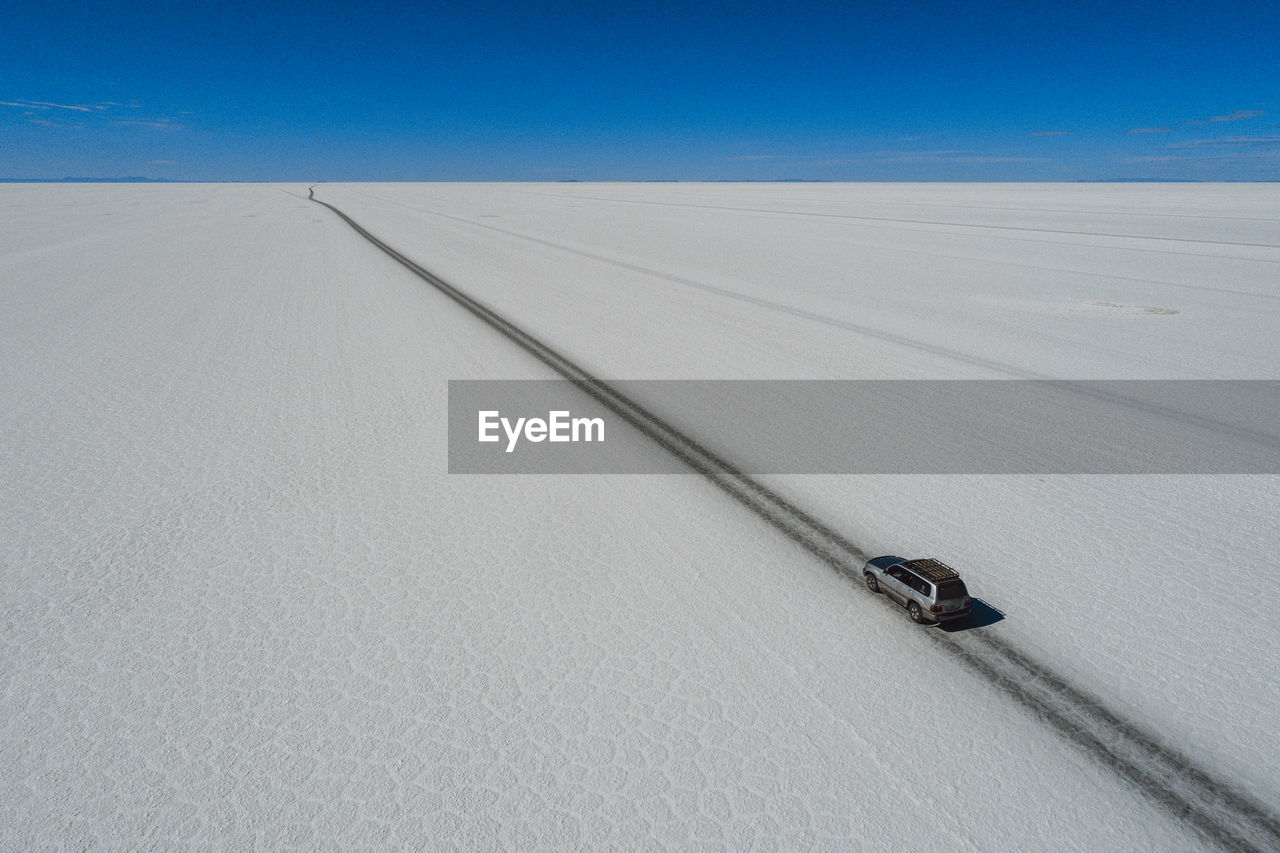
(871, 583)
(916, 615)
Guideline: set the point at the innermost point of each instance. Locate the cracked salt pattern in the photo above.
(243, 605)
(1061, 555)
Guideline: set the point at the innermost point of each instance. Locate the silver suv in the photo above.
(930, 589)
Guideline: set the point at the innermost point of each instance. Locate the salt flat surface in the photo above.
(244, 604)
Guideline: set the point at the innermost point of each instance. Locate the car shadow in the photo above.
(981, 615)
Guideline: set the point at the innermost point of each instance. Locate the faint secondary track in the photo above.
(1214, 808)
(973, 225)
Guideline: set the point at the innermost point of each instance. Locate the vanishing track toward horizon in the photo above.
(1217, 810)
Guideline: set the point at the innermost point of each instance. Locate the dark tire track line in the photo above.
(1212, 807)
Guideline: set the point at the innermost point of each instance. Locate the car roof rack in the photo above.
(931, 569)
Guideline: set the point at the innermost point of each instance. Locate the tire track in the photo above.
(975, 225)
(1214, 808)
(1264, 439)
(800, 312)
(943, 206)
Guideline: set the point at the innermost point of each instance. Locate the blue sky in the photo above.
(746, 90)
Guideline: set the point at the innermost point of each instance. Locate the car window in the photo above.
(952, 589)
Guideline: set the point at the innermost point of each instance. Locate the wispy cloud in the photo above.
(44, 122)
(942, 157)
(46, 105)
(993, 159)
(1258, 156)
(158, 124)
(1227, 142)
(896, 155)
(950, 156)
(889, 156)
(1151, 130)
(1049, 133)
(43, 113)
(1238, 115)
(744, 157)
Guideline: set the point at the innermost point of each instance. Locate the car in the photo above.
(931, 590)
